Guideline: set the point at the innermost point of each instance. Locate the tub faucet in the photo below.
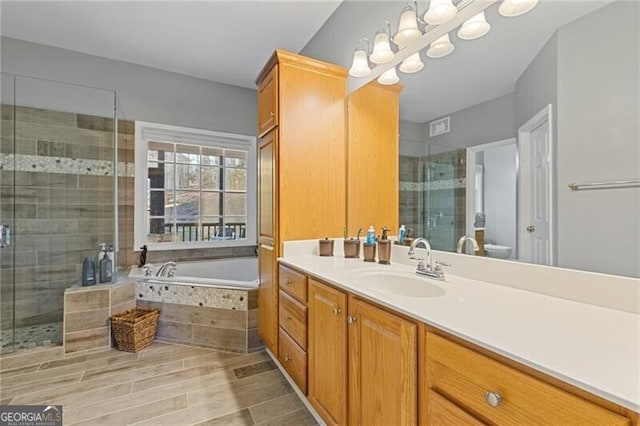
(463, 240)
(167, 269)
(428, 269)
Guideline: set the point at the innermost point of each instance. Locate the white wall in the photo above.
(144, 93)
(599, 140)
(500, 195)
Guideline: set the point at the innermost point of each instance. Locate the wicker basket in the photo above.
(135, 329)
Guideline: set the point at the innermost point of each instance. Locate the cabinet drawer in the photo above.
(465, 376)
(441, 412)
(293, 319)
(293, 283)
(294, 359)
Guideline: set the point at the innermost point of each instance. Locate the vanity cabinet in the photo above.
(328, 352)
(366, 364)
(383, 366)
(292, 320)
(301, 165)
(470, 387)
(377, 347)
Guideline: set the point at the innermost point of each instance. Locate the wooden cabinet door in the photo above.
(383, 367)
(268, 298)
(267, 187)
(327, 349)
(268, 102)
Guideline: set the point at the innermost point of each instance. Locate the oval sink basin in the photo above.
(397, 283)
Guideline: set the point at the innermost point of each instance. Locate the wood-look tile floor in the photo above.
(164, 384)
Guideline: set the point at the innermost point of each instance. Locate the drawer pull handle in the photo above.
(287, 358)
(493, 398)
(336, 311)
(288, 317)
(351, 320)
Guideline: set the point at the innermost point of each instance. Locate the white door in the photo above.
(535, 231)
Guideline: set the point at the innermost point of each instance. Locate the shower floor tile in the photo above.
(31, 337)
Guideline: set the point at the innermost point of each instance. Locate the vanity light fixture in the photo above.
(408, 30)
(360, 65)
(440, 12)
(441, 47)
(389, 77)
(412, 64)
(511, 8)
(382, 52)
(474, 28)
(411, 28)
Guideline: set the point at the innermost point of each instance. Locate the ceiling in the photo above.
(223, 41)
(229, 41)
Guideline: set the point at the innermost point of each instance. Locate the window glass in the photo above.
(195, 193)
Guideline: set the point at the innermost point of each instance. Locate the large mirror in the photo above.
(493, 135)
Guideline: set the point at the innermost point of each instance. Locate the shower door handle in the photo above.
(5, 235)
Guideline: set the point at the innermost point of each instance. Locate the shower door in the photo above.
(444, 203)
(7, 213)
(58, 186)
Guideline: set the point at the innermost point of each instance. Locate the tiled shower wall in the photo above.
(62, 187)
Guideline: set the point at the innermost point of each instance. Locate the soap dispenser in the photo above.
(101, 252)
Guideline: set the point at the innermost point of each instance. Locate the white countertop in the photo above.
(594, 348)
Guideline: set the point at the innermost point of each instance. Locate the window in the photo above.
(194, 188)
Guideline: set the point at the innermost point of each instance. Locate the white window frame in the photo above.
(146, 131)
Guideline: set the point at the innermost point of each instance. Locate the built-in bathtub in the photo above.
(212, 303)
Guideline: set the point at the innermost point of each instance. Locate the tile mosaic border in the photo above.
(74, 166)
(434, 185)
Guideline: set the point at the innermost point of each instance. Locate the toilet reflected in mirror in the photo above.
(491, 196)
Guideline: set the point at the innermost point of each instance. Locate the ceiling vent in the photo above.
(438, 127)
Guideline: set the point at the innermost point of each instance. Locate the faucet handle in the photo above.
(421, 266)
(439, 263)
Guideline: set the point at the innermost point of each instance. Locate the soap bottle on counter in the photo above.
(371, 235)
(401, 234)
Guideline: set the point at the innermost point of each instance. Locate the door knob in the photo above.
(336, 311)
(531, 228)
(351, 320)
(287, 358)
(493, 398)
(288, 317)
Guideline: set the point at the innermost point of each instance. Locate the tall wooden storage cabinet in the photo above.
(302, 165)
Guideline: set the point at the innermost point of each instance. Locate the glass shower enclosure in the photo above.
(58, 186)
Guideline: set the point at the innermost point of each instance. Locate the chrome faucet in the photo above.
(428, 269)
(167, 269)
(463, 240)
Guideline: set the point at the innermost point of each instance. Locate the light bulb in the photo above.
(474, 28)
(441, 47)
(512, 8)
(360, 65)
(407, 28)
(412, 64)
(381, 49)
(440, 12)
(389, 77)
